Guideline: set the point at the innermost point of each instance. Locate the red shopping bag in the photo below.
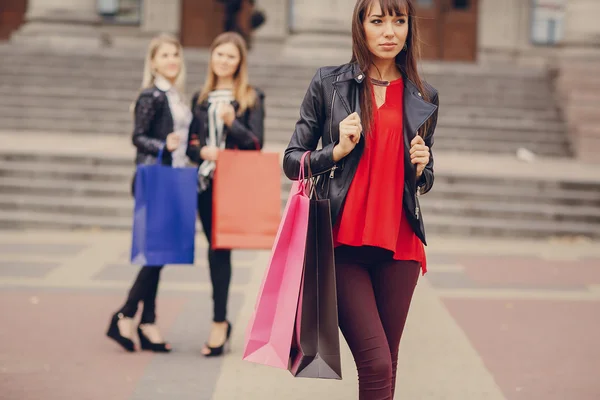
(269, 335)
(246, 200)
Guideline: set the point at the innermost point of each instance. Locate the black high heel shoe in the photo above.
(115, 334)
(218, 351)
(146, 344)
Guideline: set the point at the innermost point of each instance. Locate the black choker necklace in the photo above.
(377, 82)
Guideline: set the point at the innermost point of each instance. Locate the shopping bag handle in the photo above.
(311, 182)
(160, 154)
(301, 177)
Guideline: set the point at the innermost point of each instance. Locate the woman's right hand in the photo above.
(350, 130)
(173, 141)
(210, 153)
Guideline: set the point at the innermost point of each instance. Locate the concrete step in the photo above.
(512, 192)
(64, 188)
(69, 172)
(495, 227)
(497, 208)
(484, 132)
(53, 220)
(123, 118)
(72, 126)
(112, 69)
(495, 148)
(291, 110)
(78, 67)
(61, 191)
(105, 162)
(68, 206)
(280, 106)
(286, 88)
(61, 102)
(53, 92)
(464, 98)
(466, 127)
(118, 112)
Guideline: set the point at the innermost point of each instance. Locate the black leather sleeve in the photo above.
(308, 131)
(145, 111)
(194, 140)
(250, 135)
(425, 182)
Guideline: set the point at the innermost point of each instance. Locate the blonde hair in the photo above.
(243, 93)
(155, 43)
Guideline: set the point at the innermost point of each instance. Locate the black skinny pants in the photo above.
(219, 261)
(374, 294)
(144, 289)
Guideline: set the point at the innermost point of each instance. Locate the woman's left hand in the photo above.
(419, 154)
(227, 114)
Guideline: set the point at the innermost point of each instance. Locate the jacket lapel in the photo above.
(416, 110)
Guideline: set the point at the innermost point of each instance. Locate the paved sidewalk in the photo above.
(483, 325)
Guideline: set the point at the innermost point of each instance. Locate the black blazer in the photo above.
(332, 95)
(153, 122)
(246, 132)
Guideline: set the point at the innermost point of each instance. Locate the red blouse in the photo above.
(373, 214)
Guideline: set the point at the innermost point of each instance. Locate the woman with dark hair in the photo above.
(376, 118)
(228, 114)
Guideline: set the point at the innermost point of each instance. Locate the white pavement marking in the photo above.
(86, 264)
(549, 249)
(108, 284)
(243, 380)
(594, 288)
(437, 361)
(521, 294)
(435, 267)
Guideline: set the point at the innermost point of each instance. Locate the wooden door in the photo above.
(448, 29)
(459, 39)
(12, 15)
(201, 22)
(428, 20)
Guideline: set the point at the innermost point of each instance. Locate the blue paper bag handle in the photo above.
(160, 154)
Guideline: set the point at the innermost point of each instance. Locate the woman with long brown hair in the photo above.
(376, 118)
(228, 114)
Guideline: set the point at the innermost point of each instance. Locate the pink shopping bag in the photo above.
(269, 334)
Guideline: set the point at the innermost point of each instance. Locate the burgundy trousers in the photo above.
(374, 294)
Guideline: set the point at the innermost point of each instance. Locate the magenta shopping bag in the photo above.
(269, 334)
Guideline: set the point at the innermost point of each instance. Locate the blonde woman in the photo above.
(162, 120)
(228, 114)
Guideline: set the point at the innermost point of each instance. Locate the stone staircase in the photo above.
(493, 112)
(578, 86)
(485, 111)
(92, 192)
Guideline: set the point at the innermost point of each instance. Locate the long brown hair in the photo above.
(406, 60)
(243, 93)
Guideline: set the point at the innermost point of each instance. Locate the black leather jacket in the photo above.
(153, 122)
(246, 132)
(331, 97)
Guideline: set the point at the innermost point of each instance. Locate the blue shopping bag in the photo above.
(164, 219)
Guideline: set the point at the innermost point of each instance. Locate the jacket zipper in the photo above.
(337, 78)
(417, 209)
(417, 192)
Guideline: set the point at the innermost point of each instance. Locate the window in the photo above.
(425, 3)
(460, 4)
(126, 12)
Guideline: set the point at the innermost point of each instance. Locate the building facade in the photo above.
(453, 30)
